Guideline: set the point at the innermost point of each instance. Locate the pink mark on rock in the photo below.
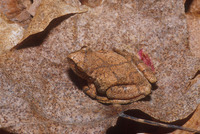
(145, 58)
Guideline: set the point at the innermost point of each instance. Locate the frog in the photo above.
(113, 76)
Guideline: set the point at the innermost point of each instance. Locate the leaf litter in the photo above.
(41, 93)
(44, 12)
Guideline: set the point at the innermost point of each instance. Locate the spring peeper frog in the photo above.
(116, 76)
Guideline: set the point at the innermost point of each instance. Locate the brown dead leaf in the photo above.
(193, 22)
(39, 93)
(193, 6)
(10, 34)
(91, 3)
(33, 8)
(46, 12)
(194, 121)
(15, 11)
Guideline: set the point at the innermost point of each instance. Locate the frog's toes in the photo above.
(90, 90)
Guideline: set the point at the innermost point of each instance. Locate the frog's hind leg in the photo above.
(115, 101)
(105, 100)
(146, 70)
(125, 94)
(90, 90)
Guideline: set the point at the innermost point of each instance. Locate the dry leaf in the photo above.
(33, 8)
(15, 11)
(193, 6)
(10, 34)
(91, 3)
(40, 94)
(46, 12)
(193, 22)
(194, 121)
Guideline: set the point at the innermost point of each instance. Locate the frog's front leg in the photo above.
(90, 90)
(125, 93)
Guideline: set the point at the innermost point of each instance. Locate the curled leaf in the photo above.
(40, 93)
(33, 8)
(193, 122)
(91, 3)
(46, 12)
(10, 34)
(15, 11)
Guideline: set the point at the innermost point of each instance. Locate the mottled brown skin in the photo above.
(113, 76)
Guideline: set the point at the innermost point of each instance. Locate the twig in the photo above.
(153, 123)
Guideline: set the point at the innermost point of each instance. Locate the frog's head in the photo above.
(76, 61)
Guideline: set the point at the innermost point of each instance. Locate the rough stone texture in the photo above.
(39, 93)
